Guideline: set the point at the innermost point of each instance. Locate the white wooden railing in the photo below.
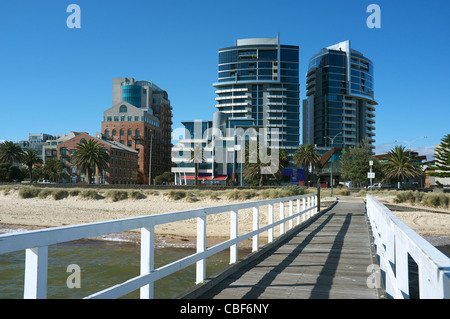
(394, 240)
(35, 243)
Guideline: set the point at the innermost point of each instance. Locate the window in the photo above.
(122, 132)
(123, 109)
(106, 133)
(114, 133)
(138, 133)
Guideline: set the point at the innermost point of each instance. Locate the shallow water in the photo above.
(102, 264)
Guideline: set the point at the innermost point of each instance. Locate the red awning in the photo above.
(218, 178)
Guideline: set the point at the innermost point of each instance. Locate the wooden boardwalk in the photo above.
(324, 260)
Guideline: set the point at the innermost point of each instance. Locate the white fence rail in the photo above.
(36, 243)
(394, 241)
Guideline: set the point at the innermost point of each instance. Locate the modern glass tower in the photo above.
(258, 85)
(340, 99)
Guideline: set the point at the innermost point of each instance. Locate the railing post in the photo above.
(315, 204)
(401, 268)
(201, 247)
(255, 242)
(233, 235)
(298, 211)
(281, 217)
(270, 221)
(147, 259)
(308, 214)
(291, 210)
(303, 208)
(36, 261)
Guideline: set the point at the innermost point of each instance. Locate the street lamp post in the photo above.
(331, 160)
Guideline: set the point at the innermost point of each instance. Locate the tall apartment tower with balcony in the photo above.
(141, 118)
(258, 85)
(340, 98)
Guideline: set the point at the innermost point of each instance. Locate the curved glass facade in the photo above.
(259, 82)
(132, 94)
(340, 98)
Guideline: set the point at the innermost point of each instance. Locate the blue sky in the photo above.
(55, 79)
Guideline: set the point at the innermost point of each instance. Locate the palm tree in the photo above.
(10, 152)
(252, 170)
(197, 158)
(30, 158)
(401, 164)
(53, 168)
(88, 156)
(306, 156)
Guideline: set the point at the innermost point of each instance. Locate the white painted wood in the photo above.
(281, 218)
(255, 239)
(201, 247)
(147, 259)
(233, 235)
(35, 283)
(303, 208)
(394, 241)
(270, 222)
(291, 211)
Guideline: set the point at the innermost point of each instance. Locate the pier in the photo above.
(354, 248)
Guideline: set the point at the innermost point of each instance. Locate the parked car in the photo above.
(45, 181)
(378, 186)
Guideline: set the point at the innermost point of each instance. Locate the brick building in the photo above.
(122, 167)
(141, 118)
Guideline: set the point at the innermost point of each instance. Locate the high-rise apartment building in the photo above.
(340, 98)
(141, 118)
(258, 85)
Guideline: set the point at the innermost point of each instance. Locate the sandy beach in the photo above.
(35, 213)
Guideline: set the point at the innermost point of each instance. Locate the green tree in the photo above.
(283, 162)
(401, 164)
(53, 168)
(442, 158)
(9, 173)
(10, 152)
(254, 165)
(355, 164)
(30, 158)
(166, 177)
(307, 156)
(89, 155)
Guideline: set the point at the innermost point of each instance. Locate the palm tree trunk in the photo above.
(30, 170)
(196, 173)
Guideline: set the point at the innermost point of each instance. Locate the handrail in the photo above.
(394, 240)
(35, 243)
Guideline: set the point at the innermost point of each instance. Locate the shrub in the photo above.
(74, 191)
(28, 192)
(58, 194)
(293, 190)
(116, 195)
(433, 200)
(44, 193)
(135, 194)
(233, 195)
(89, 194)
(176, 194)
